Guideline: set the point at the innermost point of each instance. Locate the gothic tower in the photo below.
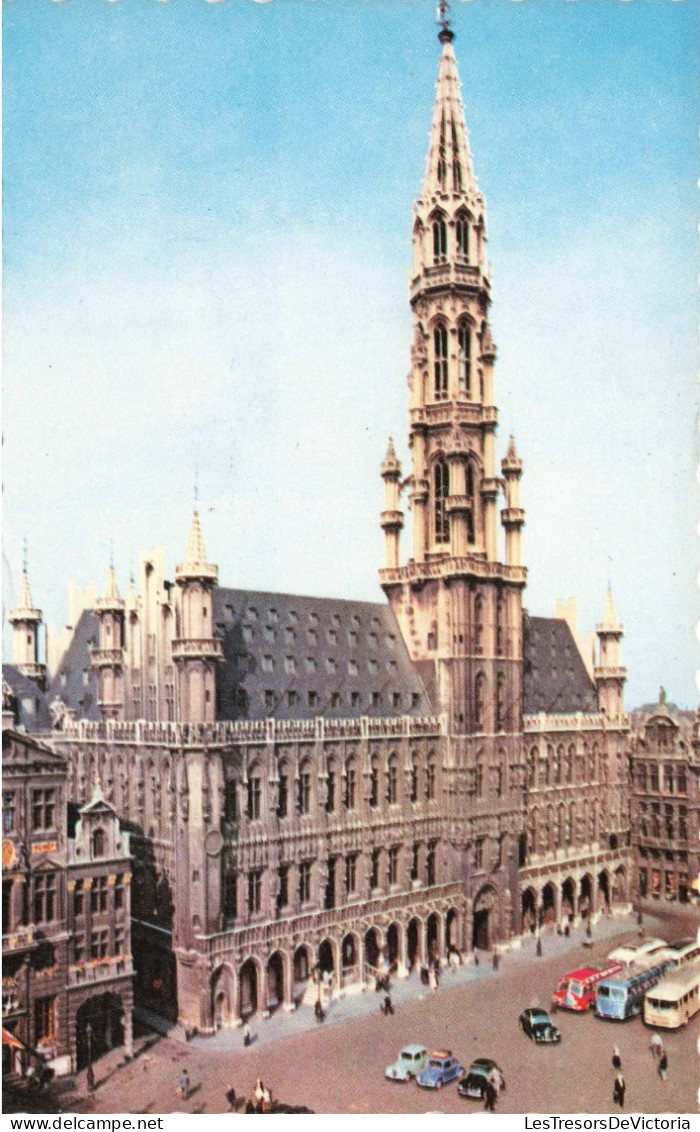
(609, 674)
(25, 621)
(458, 604)
(108, 659)
(195, 649)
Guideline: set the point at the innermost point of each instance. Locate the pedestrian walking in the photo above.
(387, 1006)
(663, 1065)
(246, 1034)
(231, 1099)
(619, 1090)
(656, 1046)
(538, 949)
(183, 1088)
(476, 958)
(616, 1058)
(496, 959)
(490, 1096)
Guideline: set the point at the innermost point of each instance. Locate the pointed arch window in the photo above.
(462, 237)
(442, 491)
(471, 528)
(479, 624)
(464, 359)
(440, 346)
(439, 240)
(480, 700)
(500, 702)
(500, 627)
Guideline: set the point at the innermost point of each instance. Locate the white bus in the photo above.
(674, 1001)
(629, 952)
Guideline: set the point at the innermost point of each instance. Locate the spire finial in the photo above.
(25, 555)
(111, 554)
(445, 34)
(196, 487)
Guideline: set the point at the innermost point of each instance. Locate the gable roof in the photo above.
(32, 704)
(555, 679)
(75, 681)
(296, 657)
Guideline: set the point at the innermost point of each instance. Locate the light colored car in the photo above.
(408, 1064)
(440, 1069)
(635, 949)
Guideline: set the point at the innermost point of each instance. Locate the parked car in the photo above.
(441, 1068)
(474, 1084)
(408, 1064)
(538, 1025)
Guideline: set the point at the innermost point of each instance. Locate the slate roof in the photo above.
(32, 705)
(75, 681)
(555, 679)
(296, 657)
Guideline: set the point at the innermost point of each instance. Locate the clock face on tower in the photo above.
(9, 854)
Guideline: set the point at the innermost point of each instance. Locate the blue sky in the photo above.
(207, 214)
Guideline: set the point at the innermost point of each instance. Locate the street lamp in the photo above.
(90, 1070)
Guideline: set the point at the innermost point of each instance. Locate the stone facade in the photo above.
(66, 915)
(665, 780)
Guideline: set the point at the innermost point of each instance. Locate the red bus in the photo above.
(576, 991)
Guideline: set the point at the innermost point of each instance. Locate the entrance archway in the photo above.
(451, 929)
(548, 904)
(392, 944)
(350, 959)
(585, 900)
(528, 905)
(275, 980)
(248, 978)
(372, 948)
(301, 970)
(619, 893)
(433, 927)
(222, 987)
(604, 888)
(413, 943)
(485, 911)
(568, 899)
(325, 957)
(104, 1014)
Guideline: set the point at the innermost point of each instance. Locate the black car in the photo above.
(538, 1025)
(473, 1085)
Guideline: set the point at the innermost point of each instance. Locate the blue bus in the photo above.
(622, 996)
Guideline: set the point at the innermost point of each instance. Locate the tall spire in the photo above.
(195, 546)
(449, 167)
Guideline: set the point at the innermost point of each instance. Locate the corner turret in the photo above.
(26, 620)
(195, 649)
(108, 659)
(609, 674)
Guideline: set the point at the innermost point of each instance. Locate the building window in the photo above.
(292, 699)
(79, 953)
(439, 240)
(283, 880)
(440, 362)
(313, 700)
(683, 824)
(414, 781)
(44, 809)
(478, 780)
(654, 778)
(393, 783)
(99, 944)
(396, 701)
(464, 359)
(330, 790)
(45, 898)
(98, 843)
(230, 800)
(305, 882)
(254, 798)
(350, 788)
(414, 862)
(98, 895)
(500, 702)
(78, 899)
(430, 864)
(479, 624)
(350, 873)
(479, 853)
(304, 792)
(230, 896)
(269, 699)
(430, 781)
(335, 700)
(8, 812)
(681, 782)
(254, 892)
(479, 700)
(373, 785)
(355, 699)
(394, 864)
(374, 875)
(283, 794)
(44, 1020)
(119, 890)
(441, 476)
